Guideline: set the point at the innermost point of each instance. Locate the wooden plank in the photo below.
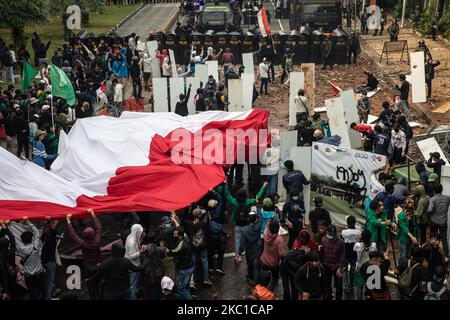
(173, 64)
(288, 140)
(247, 91)
(152, 46)
(235, 95)
(302, 158)
(336, 119)
(309, 69)
(201, 72)
(418, 77)
(248, 63)
(213, 69)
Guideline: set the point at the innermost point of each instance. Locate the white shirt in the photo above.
(166, 69)
(118, 93)
(263, 70)
(398, 139)
(13, 56)
(358, 248)
(132, 44)
(71, 115)
(375, 187)
(147, 64)
(271, 159)
(301, 104)
(351, 235)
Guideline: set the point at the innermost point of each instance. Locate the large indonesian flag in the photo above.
(263, 23)
(122, 165)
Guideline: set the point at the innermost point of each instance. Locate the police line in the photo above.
(306, 46)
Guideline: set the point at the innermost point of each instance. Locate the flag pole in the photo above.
(51, 108)
(273, 46)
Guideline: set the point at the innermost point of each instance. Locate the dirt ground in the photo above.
(344, 76)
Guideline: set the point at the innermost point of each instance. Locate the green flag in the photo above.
(28, 75)
(61, 86)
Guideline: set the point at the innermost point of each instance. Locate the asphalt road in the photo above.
(152, 17)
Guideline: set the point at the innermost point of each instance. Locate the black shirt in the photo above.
(49, 247)
(316, 215)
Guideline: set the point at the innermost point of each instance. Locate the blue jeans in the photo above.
(203, 255)
(405, 107)
(10, 72)
(50, 272)
(135, 278)
(272, 186)
(404, 255)
(237, 238)
(182, 280)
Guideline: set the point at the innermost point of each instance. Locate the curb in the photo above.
(170, 21)
(128, 17)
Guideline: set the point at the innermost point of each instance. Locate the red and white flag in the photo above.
(263, 23)
(101, 93)
(336, 89)
(126, 164)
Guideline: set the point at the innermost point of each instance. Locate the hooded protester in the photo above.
(120, 67)
(318, 214)
(241, 206)
(133, 252)
(154, 270)
(423, 177)
(216, 236)
(400, 188)
(422, 202)
(310, 279)
(305, 242)
(267, 212)
(273, 251)
(33, 270)
(90, 243)
(135, 71)
(115, 272)
(147, 69)
(252, 244)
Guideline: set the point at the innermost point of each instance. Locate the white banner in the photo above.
(344, 165)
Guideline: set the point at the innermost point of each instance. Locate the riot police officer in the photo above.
(353, 47)
(328, 53)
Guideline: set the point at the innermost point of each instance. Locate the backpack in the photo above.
(198, 239)
(404, 281)
(433, 295)
(242, 215)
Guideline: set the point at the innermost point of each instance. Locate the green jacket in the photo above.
(403, 228)
(373, 225)
(248, 203)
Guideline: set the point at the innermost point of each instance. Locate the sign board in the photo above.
(248, 63)
(301, 156)
(195, 85)
(430, 145)
(235, 95)
(201, 73)
(395, 47)
(247, 91)
(160, 96)
(288, 140)
(176, 88)
(337, 122)
(296, 82)
(152, 46)
(173, 64)
(418, 77)
(213, 69)
(351, 115)
(344, 165)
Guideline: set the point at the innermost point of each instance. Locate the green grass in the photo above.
(54, 30)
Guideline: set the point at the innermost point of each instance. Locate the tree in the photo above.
(19, 13)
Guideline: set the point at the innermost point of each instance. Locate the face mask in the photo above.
(295, 198)
(330, 237)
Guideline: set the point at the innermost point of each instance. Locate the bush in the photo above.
(444, 25)
(425, 22)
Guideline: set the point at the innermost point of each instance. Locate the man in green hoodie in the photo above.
(241, 206)
(377, 223)
(405, 237)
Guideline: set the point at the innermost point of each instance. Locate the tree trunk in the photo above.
(18, 37)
